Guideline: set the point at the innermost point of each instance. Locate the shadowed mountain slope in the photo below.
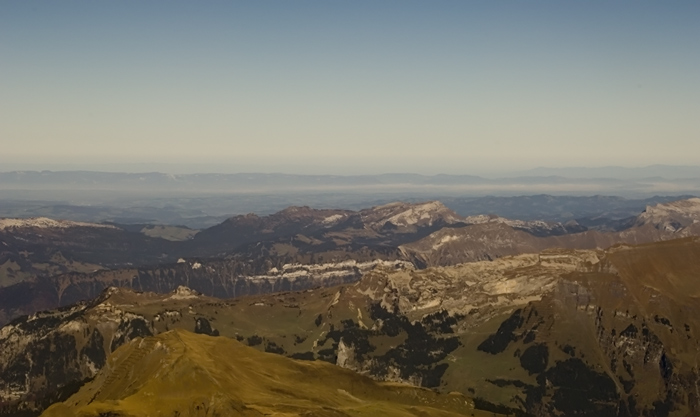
(36, 247)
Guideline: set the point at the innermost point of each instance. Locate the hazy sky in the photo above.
(350, 86)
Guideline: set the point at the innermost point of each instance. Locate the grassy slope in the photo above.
(181, 372)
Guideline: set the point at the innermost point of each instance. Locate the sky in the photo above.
(348, 87)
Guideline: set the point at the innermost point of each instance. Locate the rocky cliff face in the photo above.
(221, 278)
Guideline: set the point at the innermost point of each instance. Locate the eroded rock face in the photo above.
(633, 345)
(416, 358)
(45, 357)
(619, 365)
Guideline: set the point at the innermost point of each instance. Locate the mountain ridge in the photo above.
(511, 331)
(296, 248)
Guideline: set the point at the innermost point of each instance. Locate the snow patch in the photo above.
(73, 326)
(427, 211)
(92, 368)
(429, 304)
(5, 331)
(345, 354)
(332, 219)
(444, 240)
(519, 224)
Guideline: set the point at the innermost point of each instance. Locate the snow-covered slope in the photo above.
(409, 215)
(535, 227)
(46, 223)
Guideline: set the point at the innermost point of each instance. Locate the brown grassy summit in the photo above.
(179, 373)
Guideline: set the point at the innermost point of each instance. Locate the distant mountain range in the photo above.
(624, 173)
(46, 263)
(619, 181)
(201, 213)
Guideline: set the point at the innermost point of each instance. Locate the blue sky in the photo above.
(350, 87)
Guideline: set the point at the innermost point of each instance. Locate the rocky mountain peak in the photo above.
(484, 218)
(410, 214)
(296, 211)
(248, 217)
(115, 295)
(182, 292)
(535, 227)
